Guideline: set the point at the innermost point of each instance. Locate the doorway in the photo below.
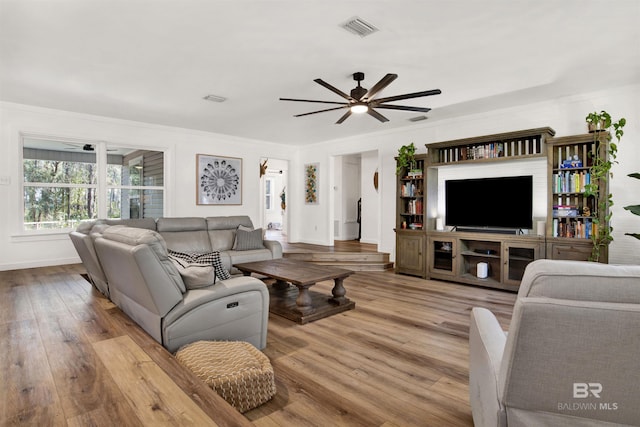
(356, 210)
(274, 180)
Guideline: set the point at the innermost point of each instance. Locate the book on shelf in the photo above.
(582, 228)
(414, 207)
(571, 182)
(409, 189)
(562, 211)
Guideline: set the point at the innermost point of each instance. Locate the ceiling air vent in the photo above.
(358, 26)
(215, 98)
(417, 118)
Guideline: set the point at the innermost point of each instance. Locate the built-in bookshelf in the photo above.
(410, 218)
(571, 208)
(571, 212)
(505, 146)
(411, 197)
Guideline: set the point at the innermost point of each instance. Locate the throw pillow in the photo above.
(208, 258)
(248, 240)
(194, 275)
(235, 241)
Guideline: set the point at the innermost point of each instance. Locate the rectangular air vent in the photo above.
(418, 118)
(358, 26)
(215, 98)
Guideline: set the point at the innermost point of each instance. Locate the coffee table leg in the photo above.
(339, 292)
(303, 302)
(281, 285)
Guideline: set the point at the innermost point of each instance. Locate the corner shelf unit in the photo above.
(411, 200)
(410, 218)
(570, 212)
(524, 144)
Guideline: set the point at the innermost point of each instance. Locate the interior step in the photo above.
(358, 266)
(356, 261)
(339, 256)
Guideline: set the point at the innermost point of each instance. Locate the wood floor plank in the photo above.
(15, 300)
(400, 358)
(29, 395)
(208, 401)
(156, 398)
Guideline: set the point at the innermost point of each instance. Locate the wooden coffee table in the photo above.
(301, 305)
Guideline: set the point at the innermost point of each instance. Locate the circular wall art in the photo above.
(219, 180)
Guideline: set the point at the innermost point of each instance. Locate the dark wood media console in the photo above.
(455, 256)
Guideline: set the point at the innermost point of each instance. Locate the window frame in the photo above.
(101, 187)
(269, 197)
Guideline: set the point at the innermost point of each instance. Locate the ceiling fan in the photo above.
(362, 100)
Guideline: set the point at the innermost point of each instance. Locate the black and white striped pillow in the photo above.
(249, 240)
(210, 258)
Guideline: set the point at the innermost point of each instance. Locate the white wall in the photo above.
(565, 115)
(370, 198)
(18, 250)
(307, 223)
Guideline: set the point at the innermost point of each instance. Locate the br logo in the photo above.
(584, 390)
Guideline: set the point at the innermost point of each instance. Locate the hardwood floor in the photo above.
(70, 358)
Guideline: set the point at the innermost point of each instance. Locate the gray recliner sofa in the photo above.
(186, 234)
(146, 284)
(82, 240)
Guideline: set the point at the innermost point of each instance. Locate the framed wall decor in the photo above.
(311, 183)
(218, 180)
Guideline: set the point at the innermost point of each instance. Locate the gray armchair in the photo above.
(572, 354)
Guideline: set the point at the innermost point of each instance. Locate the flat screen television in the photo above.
(501, 203)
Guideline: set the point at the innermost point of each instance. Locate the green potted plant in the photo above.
(634, 209)
(598, 121)
(406, 158)
(283, 199)
(600, 125)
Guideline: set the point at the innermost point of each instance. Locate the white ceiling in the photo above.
(153, 61)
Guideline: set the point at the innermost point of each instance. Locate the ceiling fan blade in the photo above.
(384, 82)
(311, 100)
(406, 96)
(403, 108)
(333, 89)
(345, 117)
(377, 115)
(321, 111)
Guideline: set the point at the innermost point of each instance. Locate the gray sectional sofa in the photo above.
(128, 261)
(186, 234)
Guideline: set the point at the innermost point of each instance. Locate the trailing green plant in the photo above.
(634, 209)
(406, 158)
(600, 124)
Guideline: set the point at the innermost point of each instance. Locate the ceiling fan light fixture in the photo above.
(359, 108)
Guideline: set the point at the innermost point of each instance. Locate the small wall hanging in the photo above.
(311, 183)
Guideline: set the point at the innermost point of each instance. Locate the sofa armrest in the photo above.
(87, 253)
(236, 308)
(275, 247)
(486, 347)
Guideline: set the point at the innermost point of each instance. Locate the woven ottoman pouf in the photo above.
(240, 373)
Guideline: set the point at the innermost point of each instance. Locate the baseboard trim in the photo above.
(39, 263)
